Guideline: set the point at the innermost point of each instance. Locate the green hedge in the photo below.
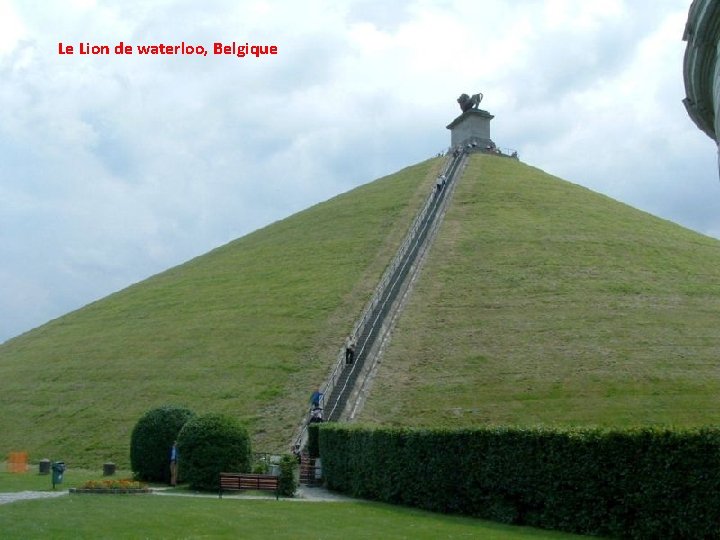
(211, 444)
(649, 483)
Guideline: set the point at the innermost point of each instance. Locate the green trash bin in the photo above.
(58, 469)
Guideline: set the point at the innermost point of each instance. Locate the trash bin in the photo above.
(44, 466)
(108, 469)
(58, 469)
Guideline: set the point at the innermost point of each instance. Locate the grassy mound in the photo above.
(544, 302)
(250, 329)
(541, 302)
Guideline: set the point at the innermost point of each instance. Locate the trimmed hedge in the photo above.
(648, 483)
(286, 483)
(211, 444)
(151, 440)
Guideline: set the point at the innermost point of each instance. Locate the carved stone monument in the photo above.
(469, 102)
(472, 127)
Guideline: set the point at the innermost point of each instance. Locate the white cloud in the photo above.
(116, 167)
(12, 29)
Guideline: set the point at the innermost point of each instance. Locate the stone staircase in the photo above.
(308, 477)
(342, 388)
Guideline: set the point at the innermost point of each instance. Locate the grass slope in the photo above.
(544, 302)
(250, 329)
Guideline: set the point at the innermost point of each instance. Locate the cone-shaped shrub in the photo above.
(151, 440)
(211, 444)
(287, 484)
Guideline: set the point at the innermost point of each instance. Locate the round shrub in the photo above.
(211, 444)
(151, 440)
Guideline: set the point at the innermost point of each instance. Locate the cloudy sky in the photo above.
(116, 167)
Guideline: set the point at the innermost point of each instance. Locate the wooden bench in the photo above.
(241, 481)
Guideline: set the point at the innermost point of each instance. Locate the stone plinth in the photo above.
(471, 126)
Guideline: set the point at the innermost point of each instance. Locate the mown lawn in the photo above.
(33, 481)
(172, 517)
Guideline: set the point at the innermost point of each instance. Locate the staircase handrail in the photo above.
(380, 288)
(413, 239)
(329, 385)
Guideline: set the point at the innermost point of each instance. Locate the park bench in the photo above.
(242, 481)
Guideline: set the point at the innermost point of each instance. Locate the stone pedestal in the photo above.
(472, 126)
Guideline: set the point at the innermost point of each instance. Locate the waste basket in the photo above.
(108, 469)
(44, 466)
(58, 469)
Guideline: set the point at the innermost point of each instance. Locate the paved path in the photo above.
(320, 494)
(27, 495)
(304, 493)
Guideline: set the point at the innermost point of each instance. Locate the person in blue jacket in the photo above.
(315, 398)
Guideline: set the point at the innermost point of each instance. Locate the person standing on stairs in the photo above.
(315, 399)
(350, 349)
(440, 183)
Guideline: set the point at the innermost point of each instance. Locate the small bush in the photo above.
(211, 444)
(286, 482)
(151, 440)
(260, 467)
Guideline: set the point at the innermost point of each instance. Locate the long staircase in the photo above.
(341, 391)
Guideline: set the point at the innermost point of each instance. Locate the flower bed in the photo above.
(111, 486)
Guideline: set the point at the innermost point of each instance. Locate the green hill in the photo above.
(249, 329)
(541, 301)
(544, 302)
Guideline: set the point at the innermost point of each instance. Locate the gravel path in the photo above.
(27, 495)
(320, 494)
(304, 493)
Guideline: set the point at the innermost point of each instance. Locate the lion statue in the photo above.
(469, 102)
